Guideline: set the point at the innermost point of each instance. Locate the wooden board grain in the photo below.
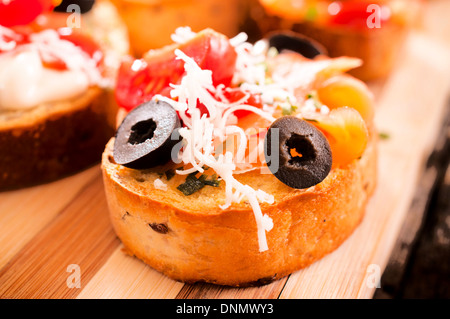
(79, 235)
(123, 276)
(46, 229)
(25, 212)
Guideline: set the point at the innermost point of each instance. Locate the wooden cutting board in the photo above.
(51, 233)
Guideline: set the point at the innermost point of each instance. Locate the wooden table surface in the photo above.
(49, 233)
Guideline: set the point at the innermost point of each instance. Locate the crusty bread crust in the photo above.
(55, 139)
(190, 239)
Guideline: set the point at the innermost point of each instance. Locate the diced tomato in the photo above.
(52, 20)
(22, 12)
(235, 94)
(352, 13)
(139, 80)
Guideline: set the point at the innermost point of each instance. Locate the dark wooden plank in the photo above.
(419, 264)
(428, 272)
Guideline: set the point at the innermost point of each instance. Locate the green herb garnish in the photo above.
(169, 174)
(288, 110)
(191, 185)
(313, 95)
(194, 184)
(384, 136)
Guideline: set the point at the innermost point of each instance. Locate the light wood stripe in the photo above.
(81, 234)
(123, 276)
(23, 213)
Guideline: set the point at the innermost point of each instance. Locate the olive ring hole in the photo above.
(142, 131)
(300, 149)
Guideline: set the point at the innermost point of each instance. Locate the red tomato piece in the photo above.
(235, 94)
(352, 14)
(82, 40)
(139, 80)
(22, 12)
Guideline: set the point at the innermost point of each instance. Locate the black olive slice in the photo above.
(296, 42)
(145, 138)
(297, 153)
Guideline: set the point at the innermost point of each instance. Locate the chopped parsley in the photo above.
(313, 95)
(288, 108)
(193, 184)
(169, 174)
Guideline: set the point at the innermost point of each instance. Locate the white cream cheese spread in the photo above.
(25, 79)
(25, 82)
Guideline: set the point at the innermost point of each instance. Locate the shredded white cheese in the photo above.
(200, 132)
(255, 74)
(182, 35)
(52, 47)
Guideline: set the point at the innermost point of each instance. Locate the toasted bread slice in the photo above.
(55, 139)
(191, 239)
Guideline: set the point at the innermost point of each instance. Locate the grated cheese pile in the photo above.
(201, 131)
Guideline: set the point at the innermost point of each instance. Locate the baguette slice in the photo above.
(191, 239)
(55, 139)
